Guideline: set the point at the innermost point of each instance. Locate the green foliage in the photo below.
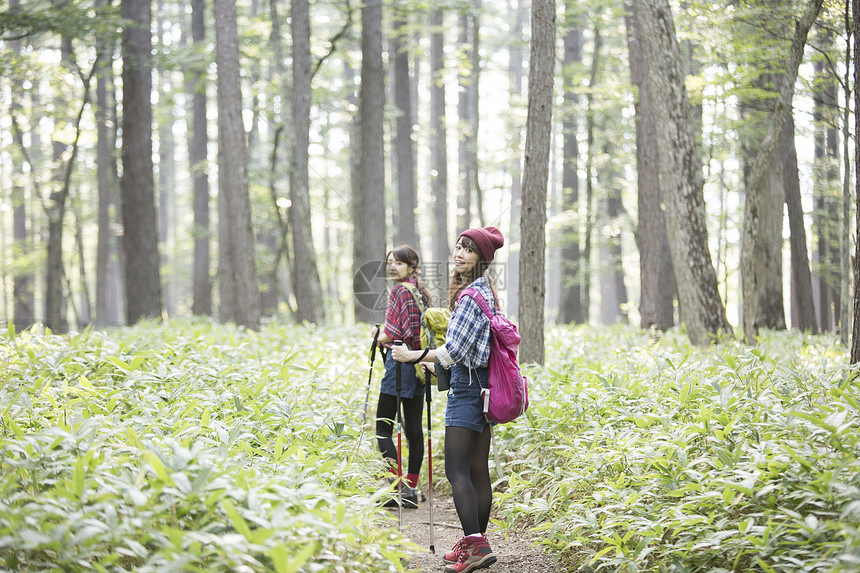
(200, 447)
(189, 447)
(642, 454)
(66, 19)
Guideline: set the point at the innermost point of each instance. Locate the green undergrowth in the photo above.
(643, 453)
(190, 447)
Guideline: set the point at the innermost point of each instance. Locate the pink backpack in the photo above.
(507, 395)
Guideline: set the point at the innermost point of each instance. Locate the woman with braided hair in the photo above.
(409, 297)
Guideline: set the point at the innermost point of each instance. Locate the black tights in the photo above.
(412, 409)
(467, 467)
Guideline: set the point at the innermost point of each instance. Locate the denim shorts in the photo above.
(408, 379)
(465, 407)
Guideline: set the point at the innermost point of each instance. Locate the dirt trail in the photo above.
(514, 549)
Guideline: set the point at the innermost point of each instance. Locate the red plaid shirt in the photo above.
(403, 317)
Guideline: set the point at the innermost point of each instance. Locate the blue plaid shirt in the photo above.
(468, 336)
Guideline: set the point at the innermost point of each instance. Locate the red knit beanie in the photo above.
(488, 240)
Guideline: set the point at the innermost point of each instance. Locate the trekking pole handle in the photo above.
(375, 340)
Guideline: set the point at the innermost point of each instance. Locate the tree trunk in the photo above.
(106, 311)
(657, 277)
(762, 230)
(585, 259)
(802, 302)
(307, 287)
(437, 277)
(285, 131)
(845, 235)
(535, 181)
(855, 329)
(142, 274)
(826, 211)
(474, 112)
(464, 123)
(55, 315)
(407, 195)
(198, 158)
(166, 203)
(680, 174)
(516, 73)
(233, 171)
(368, 211)
(23, 297)
(613, 299)
(570, 307)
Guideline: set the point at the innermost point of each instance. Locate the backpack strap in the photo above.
(415, 294)
(479, 298)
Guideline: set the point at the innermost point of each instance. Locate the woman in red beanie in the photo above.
(467, 432)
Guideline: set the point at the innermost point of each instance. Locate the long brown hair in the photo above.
(459, 282)
(407, 254)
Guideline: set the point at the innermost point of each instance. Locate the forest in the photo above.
(335, 131)
(197, 198)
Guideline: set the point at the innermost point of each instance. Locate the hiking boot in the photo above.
(410, 498)
(475, 554)
(454, 555)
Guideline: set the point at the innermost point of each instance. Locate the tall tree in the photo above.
(760, 28)
(107, 312)
(680, 173)
(855, 328)
(438, 156)
(403, 152)
(845, 227)
(197, 157)
(802, 300)
(571, 309)
(656, 275)
(233, 172)
(368, 214)
(166, 181)
(516, 74)
(825, 183)
(474, 112)
(23, 295)
(585, 266)
(465, 137)
(286, 132)
(756, 245)
(140, 237)
(55, 209)
(306, 280)
(535, 181)
(613, 291)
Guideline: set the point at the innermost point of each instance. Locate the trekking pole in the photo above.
(429, 459)
(398, 385)
(370, 375)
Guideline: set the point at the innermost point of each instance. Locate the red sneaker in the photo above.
(475, 554)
